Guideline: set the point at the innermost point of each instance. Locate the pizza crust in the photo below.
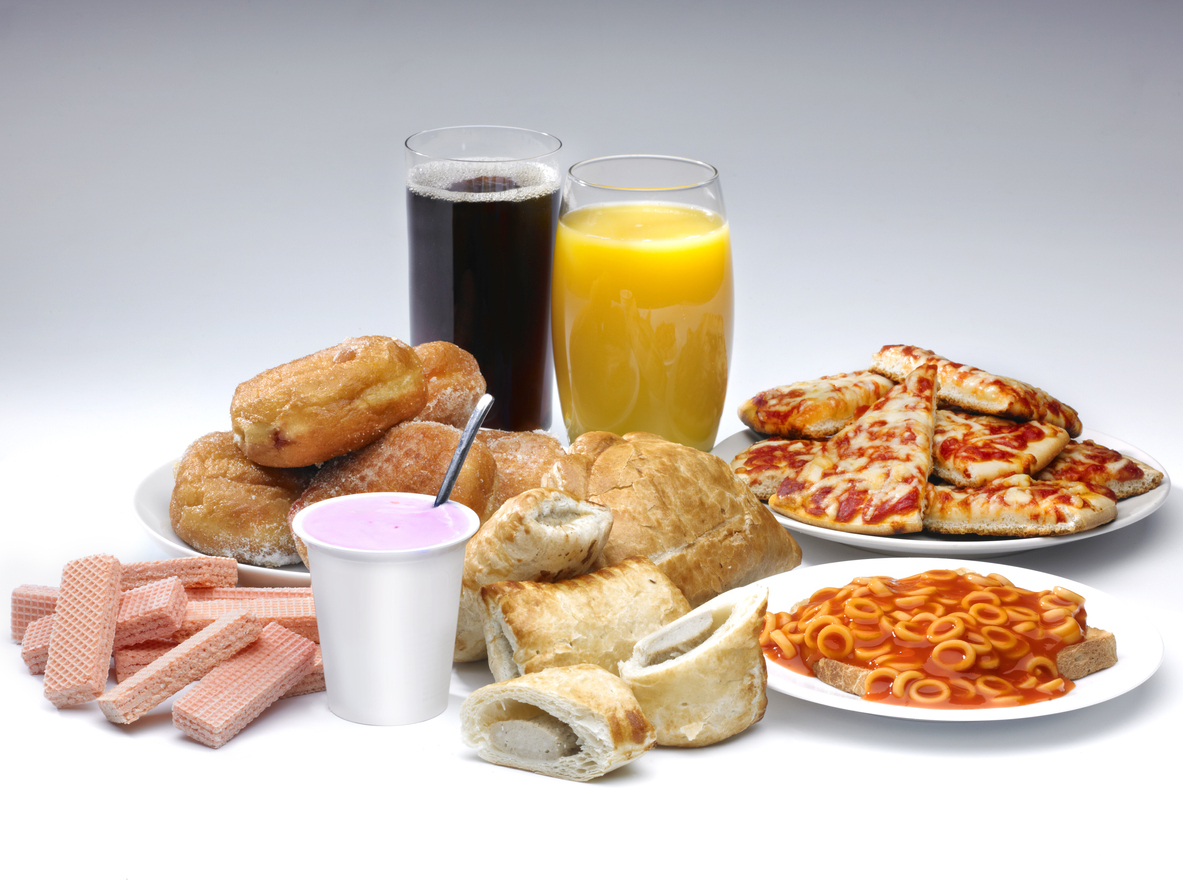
(1018, 506)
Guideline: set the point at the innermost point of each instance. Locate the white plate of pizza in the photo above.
(151, 501)
(1139, 646)
(1129, 511)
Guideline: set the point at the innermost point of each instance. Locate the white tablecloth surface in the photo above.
(191, 193)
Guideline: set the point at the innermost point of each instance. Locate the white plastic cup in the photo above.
(386, 617)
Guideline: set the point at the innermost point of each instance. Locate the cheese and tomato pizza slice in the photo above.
(871, 476)
(969, 388)
(1084, 460)
(765, 464)
(815, 409)
(970, 449)
(1018, 505)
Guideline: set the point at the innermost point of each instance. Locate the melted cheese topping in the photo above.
(974, 389)
(969, 450)
(816, 408)
(871, 476)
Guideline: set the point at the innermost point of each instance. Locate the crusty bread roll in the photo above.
(575, 722)
(682, 508)
(596, 618)
(703, 678)
(328, 403)
(409, 458)
(540, 535)
(225, 505)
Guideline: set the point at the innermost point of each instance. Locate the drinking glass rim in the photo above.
(702, 164)
(557, 142)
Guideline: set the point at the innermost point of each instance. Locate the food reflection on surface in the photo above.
(642, 314)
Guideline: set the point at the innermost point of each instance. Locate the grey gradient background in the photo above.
(193, 192)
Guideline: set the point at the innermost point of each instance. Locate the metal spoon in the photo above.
(466, 438)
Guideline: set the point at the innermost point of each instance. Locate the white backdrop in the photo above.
(193, 192)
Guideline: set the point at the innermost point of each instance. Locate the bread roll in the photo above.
(703, 677)
(541, 535)
(328, 403)
(682, 508)
(575, 722)
(596, 618)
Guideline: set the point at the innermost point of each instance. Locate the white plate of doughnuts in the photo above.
(151, 501)
(1139, 646)
(1129, 511)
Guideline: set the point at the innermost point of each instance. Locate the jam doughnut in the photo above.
(454, 383)
(227, 506)
(328, 403)
(409, 458)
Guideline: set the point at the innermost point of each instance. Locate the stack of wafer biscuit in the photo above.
(167, 625)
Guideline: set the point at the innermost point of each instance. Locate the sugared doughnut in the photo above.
(410, 458)
(328, 403)
(522, 458)
(454, 383)
(227, 506)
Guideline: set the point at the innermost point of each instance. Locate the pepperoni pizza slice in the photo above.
(871, 476)
(815, 409)
(1018, 505)
(1084, 460)
(765, 464)
(970, 449)
(969, 388)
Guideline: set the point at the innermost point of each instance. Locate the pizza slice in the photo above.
(1018, 505)
(970, 450)
(815, 409)
(969, 388)
(1084, 460)
(765, 464)
(871, 476)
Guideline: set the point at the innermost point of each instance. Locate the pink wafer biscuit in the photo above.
(296, 614)
(151, 611)
(244, 593)
(83, 631)
(241, 688)
(129, 660)
(35, 644)
(313, 682)
(30, 603)
(188, 662)
(194, 572)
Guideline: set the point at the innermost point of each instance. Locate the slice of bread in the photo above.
(1097, 651)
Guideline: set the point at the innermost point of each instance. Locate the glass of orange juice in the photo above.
(642, 298)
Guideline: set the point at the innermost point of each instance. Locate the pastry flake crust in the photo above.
(574, 722)
(703, 678)
(596, 618)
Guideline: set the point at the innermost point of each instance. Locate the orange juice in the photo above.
(642, 316)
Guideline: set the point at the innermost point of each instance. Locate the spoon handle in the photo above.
(466, 438)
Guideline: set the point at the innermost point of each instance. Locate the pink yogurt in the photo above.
(387, 522)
